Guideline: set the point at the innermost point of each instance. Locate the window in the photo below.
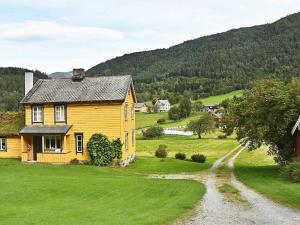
(133, 137)
(126, 140)
(60, 115)
(37, 114)
(53, 142)
(2, 144)
(79, 143)
(126, 111)
(132, 112)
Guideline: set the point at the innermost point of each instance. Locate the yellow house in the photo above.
(62, 114)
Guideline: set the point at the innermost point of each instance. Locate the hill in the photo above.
(61, 74)
(214, 64)
(12, 86)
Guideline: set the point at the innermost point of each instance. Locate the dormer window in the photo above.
(60, 113)
(37, 114)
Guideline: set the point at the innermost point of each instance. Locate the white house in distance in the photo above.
(163, 105)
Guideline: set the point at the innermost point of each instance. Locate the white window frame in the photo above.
(55, 138)
(79, 147)
(126, 111)
(133, 137)
(126, 140)
(37, 114)
(60, 113)
(3, 141)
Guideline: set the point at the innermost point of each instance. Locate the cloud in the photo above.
(45, 31)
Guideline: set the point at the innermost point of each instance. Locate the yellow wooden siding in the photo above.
(53, 158)
(13, 148)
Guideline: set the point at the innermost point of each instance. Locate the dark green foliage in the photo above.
(199, 158)
(117, 149)
(222, 137)
(174, 113)
(185, 107)
(180, 156)
(161, 120)
(102, 151)
(161, 152)
(265, 115)
(214, 64)
(12, 87)
(291, 171)
(204, 124)
(153, 132)
(197, 106)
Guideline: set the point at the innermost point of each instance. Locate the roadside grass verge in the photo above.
(81, 194)
(258, 171)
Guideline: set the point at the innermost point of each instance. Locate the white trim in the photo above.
(37, 114)
(296, 126)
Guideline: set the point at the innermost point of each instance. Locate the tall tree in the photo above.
(204, 124)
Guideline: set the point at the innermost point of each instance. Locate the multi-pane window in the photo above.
(79, 143)
(133, 137)
(37, 114)
(126, 140)
(126, 111)
(52, 142)
(2, 144)
(60, 115)
(132, 112)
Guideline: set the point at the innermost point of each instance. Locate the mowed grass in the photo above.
(258, 171)
(78, 194)
(219, 98)
(212, 147)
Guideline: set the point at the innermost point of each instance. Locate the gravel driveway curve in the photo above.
(215, 209)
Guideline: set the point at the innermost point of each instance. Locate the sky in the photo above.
(60, 35)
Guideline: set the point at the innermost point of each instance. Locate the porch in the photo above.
(45, 144)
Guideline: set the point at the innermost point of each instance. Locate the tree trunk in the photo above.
(199, 136)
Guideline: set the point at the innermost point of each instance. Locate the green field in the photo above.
(76, 194)
(209, 145)
(258, 171)
(219, 98)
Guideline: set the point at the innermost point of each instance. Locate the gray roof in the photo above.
(163, 102)
(90, 89)
(296, 126)
(53, 129)
(140, 105)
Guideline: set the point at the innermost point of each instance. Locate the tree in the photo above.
(265, 115)
(174, 113)
(197, 106)
(153, 132)
(204, 124)
(185, 107)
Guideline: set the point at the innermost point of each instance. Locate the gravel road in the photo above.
(216, 209)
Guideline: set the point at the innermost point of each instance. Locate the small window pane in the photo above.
(2, 144)
(58, 142)
(79, 143)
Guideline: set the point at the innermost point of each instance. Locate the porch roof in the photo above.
(48, 129)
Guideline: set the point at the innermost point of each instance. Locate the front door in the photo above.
(37, 146)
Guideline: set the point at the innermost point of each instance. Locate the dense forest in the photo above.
(12, 87)
(213, 64)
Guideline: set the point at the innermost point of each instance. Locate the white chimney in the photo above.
(28, 81)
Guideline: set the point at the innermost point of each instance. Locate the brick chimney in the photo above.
(28, 81)
(78, 75)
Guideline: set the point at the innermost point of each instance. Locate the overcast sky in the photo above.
(59, 35)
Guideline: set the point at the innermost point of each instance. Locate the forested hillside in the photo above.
(213, 64)
(12, 87)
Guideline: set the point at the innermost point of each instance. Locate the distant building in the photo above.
(296, 133)
(140, 107)
(163, 105)
(211, 108)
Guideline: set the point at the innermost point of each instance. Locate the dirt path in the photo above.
(216, 208)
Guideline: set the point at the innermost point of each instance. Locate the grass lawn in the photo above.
(258, 171)
(219, 98)
(209, 145)
(77, 194)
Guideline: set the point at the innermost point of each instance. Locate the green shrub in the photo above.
(153, 132)
(174, 113)
(180, 156)
(198, 158)
(222, 136)
(161, 152)
(291, 171)
(161, 120)
(102, 151)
